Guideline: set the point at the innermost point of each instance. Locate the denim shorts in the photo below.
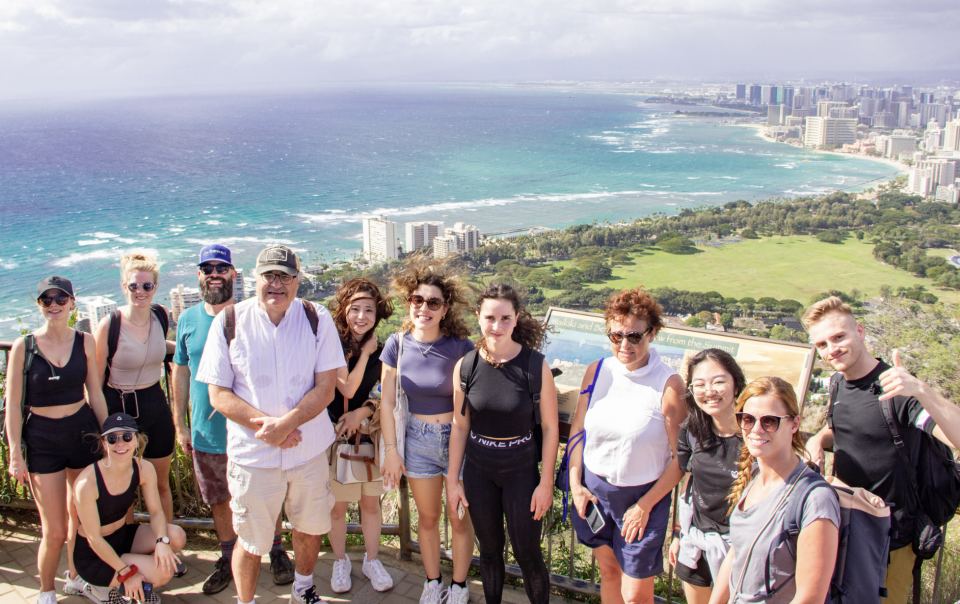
(426, 449)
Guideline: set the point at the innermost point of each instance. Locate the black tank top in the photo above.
(499, 399)
(50, 386)
(114, 507)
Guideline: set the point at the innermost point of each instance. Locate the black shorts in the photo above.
(89, 565)
(149, 406)
(65, 442)
(699, 576)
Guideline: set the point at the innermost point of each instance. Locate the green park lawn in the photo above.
(793, 268)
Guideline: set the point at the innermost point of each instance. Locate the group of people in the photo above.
(271, 384)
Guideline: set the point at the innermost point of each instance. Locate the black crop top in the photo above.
(114, 507)
(371, 375)
(500, 402)
(50, 386)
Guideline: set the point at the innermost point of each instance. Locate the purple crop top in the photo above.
(427, 371)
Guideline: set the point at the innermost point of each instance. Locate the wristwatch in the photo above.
(165, 540)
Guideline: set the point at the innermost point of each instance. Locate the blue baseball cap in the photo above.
(215, 253)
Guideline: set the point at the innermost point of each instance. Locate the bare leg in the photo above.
(246, 571)
(50, 491)
(462, 543)
(610, 575)
(696, 594)
(338, 529)
(279, 528)
(141, 553)
(223, 520)
(637, 591)
(305, 550)
(427, 494)
(74, 522)
(370, 522)
(162, 465)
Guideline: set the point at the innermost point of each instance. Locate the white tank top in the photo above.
(627, 441)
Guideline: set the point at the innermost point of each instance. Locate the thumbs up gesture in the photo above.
(897, 381)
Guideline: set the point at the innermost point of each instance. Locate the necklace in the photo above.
(422, 351)
(130, 318)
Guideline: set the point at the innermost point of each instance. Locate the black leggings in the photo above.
(500, 482)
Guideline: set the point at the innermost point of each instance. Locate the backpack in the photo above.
(113, 336)
(230, 320)
(534, 375)
(864, 544)
(30, 350)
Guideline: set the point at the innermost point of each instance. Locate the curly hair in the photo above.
(139, 261)
(421, 269)
(764, 386)
(340, 305)
(529, 332)
(699, 423)
(634, 302)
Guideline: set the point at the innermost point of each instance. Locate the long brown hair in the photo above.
(763, 386)
(421, 269)
(340, 305)
(699, 423)
(529, 332)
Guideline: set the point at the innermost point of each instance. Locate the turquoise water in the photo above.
(80, 182)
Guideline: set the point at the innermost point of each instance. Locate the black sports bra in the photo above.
(114, 507)
(50, 386)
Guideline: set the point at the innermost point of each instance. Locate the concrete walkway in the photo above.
(19, 584)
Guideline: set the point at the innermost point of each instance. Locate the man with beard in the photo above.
(206, 438)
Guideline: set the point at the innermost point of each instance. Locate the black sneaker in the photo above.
(281, 567)
(307, 596)
(219, 579)
(181, 569)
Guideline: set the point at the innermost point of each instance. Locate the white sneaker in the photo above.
(433, 592)
(458, 595)
(341, 581)
(47, 597)
(378, 575)
(307, 596)
(72, 587)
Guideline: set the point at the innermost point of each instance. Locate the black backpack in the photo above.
(113, 336)
(230, 320)
(534, 375)
(29, 352)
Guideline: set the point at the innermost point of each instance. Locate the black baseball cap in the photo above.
(55, 282)
(119, 422)
(277, 258)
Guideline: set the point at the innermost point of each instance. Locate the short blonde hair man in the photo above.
(819, 311)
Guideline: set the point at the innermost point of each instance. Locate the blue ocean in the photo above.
(83, 181)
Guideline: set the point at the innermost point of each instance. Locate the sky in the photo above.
(58, 48)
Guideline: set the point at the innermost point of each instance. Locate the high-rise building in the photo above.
(849, 113)
(951, 136)
(741, 92)
(899, 144)
(468, 237)
(937, 112)
(756, 94)
(238, 293)
(868, 107)
(884, 119)
(380, 239)
(906, 91)
(96, 307)
(183, 298)
(926, 97)
(422, 234)
(904, 113)
(444, 246)
(829, 131)
(824, 107)
(773, 115)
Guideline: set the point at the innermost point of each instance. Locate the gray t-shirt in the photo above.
(771, 551)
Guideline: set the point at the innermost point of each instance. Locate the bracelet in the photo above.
(676, 534)
(387, 444)
(123, 578)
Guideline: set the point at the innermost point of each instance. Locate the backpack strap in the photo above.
(535, 382)
(312, 316)
(888, 410)
(793, 516)
(162, 316)
(834, 393)
(589, 389)
(113, 340)
(30, 351)
(229, 324)
(467, 374)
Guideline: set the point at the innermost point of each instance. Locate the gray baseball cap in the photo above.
(277, 258)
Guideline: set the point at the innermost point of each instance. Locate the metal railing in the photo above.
(401, 529)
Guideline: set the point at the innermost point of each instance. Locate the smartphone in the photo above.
(594, 518)
(460, 510)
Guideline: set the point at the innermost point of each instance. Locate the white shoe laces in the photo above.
(341, 569)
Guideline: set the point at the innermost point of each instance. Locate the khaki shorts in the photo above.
(258, 494)
(352, 492)
(899, 581)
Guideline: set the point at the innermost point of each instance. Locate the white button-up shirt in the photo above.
(272, 367)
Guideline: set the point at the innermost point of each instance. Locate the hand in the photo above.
(165, 559)
(674, 551)
(18, 468)
(293, 439)
(541, 501)
(580, 498)
(897, 381)
(133, 587)
(392, 469)
(814, 448)
(634, 521)
(454, 494)
(351, 422)
(184, 440)
(273, 430)
(370, 346)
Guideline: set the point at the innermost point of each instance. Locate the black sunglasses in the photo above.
(147, 287)
(432, 303)
(222, 269)
(768, 423)
(114, 438)
(634, 337)
(47, 301)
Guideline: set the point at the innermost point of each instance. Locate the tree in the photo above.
(678, 245)
(726, 319)
(705, 316)
(693, 321)
(780, 332)
(885, 291)
(768, 303)
(749, 233)
(830, 236)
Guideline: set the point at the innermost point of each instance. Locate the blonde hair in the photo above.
(763, 386)
(141, 444)
(139, 261)
(819, 311)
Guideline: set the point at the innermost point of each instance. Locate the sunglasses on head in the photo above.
(59, 299)
(221, 269)
(634, 337)
(768, 423)
(147, 287)
(432, 303)
(114, 438)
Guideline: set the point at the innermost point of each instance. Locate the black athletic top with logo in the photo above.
(50, 386)
(499, 398)
(712, 474)
(371, 375)
(864, 453)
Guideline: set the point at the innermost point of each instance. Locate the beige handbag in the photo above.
(357, 461)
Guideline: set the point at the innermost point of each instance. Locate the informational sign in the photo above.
(579, 338)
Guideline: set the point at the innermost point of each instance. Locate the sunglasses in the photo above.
(221, 269)
(634, 337)
(114, 438)
(59, 299)
(768, 423)
(271, 277)
(147, 287)
(432, 303)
